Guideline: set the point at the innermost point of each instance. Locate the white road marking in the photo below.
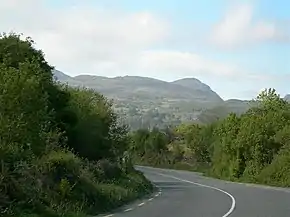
(206, 186)
(141, 204)
(109, 215)
(127, 210)
(150, 199)
(176, 186)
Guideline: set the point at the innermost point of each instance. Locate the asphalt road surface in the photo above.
(188, 194)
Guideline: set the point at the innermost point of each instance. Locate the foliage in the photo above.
(96, 126)
(60, 148)
(138, 105)
(150, 146)
(14, 52)
(253, 146)
(64, 152)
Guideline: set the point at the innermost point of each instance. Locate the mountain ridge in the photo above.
(60, 75)
(145, 102)
(191, 88)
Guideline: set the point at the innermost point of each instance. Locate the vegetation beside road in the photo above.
(252, 147)
(62, 151)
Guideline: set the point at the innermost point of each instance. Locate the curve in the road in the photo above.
(141, 203)
(206, 186)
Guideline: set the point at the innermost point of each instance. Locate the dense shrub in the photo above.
(60, 148)
(252, 147)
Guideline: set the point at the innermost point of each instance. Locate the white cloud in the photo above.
(85, 39)
(238, 28)
(83, 34)
(94, 40)
(184, 64)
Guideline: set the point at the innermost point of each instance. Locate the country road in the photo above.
(188, 194)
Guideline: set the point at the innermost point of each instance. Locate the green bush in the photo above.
(61, 149)
(251, 147)
(278, 172)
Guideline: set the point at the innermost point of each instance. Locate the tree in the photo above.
(270, 99)
(23, 114)
(14, 52)
(96, 133)
(38, 175)
(26, 134)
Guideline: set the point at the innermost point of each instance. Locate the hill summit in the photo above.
(145, 102)
(144, 88)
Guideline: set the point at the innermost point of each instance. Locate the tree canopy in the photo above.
(60, 147)
(251, 147)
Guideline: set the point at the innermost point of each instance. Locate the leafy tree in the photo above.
(39, 119)
(253, 146)
(270, 99)
(24, 115)
(96, 133)
(26, 133)
(14, 52)
(150, 146)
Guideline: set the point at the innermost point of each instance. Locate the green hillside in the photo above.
(146, 102)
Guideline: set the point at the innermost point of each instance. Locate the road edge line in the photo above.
(205, 186)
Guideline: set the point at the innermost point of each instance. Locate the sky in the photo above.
(236, 47)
